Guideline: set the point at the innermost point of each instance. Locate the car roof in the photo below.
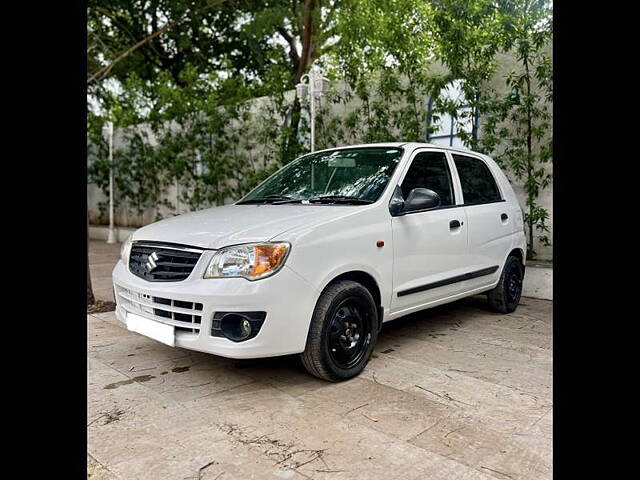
(410, 145)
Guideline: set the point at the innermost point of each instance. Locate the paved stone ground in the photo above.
(455, 392)
(102, 258)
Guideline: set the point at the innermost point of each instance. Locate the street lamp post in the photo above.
(108, 132)
(313, 84)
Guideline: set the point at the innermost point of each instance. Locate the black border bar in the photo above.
(449, 281)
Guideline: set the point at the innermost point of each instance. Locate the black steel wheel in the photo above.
(349, 333)
(514, 284)
(342, 333)
(504, 298)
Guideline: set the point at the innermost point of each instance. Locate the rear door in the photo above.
(429, 246)
(489, 222)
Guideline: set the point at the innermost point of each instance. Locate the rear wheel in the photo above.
(343, 332)
(506, 296)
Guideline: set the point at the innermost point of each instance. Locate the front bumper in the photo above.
(286, 297)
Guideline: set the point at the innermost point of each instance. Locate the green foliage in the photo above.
(468, 36)
(204, 37)
(518, 124)
(207, 106)
(384, 107)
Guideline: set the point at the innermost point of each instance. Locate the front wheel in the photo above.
(506, 296)
(343, 331)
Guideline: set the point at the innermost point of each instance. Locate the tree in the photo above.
(468, 36)
(301, 32)
(153, 36)
(189, 70)
(268, 45)
(520, 122)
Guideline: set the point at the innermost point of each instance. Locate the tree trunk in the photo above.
(531, 199)
(475, 119)
(309, 38)
(300, 64)
(91, 299)
(296, 113)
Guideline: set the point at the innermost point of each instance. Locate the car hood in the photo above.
(233, 224)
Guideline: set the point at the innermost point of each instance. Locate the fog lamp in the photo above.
(236, 327)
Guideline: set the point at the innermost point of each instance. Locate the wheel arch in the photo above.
(366, 280)
(519, 254)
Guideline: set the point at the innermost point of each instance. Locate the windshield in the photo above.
(354, 175)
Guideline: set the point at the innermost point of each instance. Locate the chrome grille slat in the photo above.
(160, 309)
(172, 264)
(159, 305)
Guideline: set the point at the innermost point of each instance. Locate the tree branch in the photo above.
(124, 28)
(104, 71)
(308, 28)
(293, 52)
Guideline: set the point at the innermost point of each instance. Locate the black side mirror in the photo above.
(421, 199)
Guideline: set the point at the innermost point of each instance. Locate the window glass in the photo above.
(478, 184)
(429, 170)
(362, 173)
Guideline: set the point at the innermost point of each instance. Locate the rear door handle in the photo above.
(454, 224)
(504, 217)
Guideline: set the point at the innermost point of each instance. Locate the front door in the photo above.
(429, 246)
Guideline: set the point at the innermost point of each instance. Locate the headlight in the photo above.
(125, 251)
(251, 261)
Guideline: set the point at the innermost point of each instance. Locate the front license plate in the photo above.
(149, 328)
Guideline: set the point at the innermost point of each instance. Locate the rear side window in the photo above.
(429, 170)
(478, 184)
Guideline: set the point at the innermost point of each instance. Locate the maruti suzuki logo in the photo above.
(151, 262)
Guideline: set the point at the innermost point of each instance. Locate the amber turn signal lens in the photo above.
(268, 257)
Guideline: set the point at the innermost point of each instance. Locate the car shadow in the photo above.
(433, 321)
(436, 318)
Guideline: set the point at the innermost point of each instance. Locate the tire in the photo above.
(506, 296)
(343, 332)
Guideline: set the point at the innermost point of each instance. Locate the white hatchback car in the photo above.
(318, 256)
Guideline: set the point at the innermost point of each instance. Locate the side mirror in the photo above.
(421, 199)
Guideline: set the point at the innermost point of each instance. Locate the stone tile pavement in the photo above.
(455, 392)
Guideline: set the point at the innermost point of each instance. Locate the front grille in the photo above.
(162, 263)
(185, 316)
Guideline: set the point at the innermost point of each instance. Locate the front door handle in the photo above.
(454, 224)
(504, 217)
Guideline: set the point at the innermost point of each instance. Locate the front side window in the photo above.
(478, 184)
(359, 175)
(429, 170)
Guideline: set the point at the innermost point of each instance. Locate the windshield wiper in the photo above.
(290, 200)
(266, 199)
(326, 199)
(340, 199)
